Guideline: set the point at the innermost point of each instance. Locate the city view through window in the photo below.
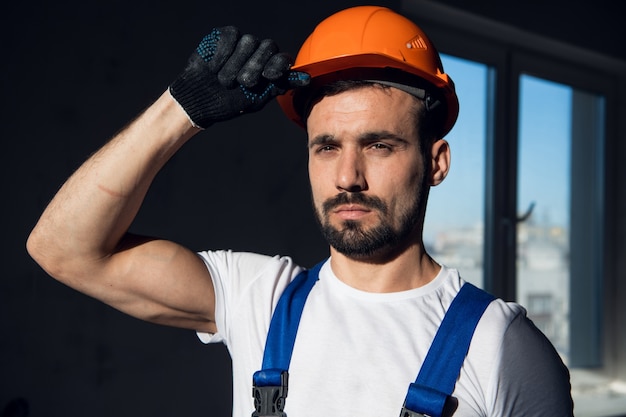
(453, 230)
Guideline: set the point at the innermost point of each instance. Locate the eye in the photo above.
(325, 148)
(381, 146)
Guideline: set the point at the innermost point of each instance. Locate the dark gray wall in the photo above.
(73, 73)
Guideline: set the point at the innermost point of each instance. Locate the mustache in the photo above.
(368, 201)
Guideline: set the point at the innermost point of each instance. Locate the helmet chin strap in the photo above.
(420, 93)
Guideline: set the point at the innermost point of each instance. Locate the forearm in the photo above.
(91, 212)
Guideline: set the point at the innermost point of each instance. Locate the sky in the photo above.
(544, 152)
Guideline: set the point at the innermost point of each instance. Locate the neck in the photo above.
(412, 268)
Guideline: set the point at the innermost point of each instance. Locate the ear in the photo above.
(440, 162)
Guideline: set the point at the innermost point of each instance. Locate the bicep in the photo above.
(158, 281)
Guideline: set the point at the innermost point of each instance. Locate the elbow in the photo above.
(34, 246)
(41, 250)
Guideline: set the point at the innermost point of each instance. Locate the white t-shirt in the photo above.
(357, 352)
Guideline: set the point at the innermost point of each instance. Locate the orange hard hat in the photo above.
(369, 39)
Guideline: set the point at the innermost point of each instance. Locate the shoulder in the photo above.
(527, 375)
(247, 287)
(237, 275)
(511, 336)
(249, 265)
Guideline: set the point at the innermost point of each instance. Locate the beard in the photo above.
(355, 240)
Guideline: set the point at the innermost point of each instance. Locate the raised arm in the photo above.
(81, 238)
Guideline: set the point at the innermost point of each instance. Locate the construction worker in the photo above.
(369, 88)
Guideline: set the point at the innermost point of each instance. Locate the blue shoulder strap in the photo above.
(434, 383)
(270, 383)
(286, 318)
(437, 377)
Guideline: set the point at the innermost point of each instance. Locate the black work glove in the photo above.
(230, 74)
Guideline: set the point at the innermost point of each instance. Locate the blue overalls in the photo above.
(436, 379)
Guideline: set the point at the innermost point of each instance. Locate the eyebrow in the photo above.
(321, 140)
(364, 138)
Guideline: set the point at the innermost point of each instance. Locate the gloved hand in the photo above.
(230, 74)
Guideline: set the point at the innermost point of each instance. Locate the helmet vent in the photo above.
(416, 43)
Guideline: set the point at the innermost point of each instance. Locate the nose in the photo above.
(350, 172)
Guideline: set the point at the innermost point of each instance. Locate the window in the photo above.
(533, 200)
(559, 238)
(456, 237)
(543, 249)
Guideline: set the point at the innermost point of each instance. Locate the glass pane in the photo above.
(560, 242)
(543, 195)
(453, 230)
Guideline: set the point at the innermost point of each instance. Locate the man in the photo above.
(369, 88)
